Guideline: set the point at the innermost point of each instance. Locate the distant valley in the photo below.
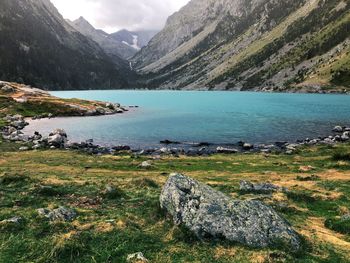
(122, 44)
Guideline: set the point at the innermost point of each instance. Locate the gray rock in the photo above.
(14, 220)
(145, 164)
(7, 89)
(226, 150)
(57, 138)
(119, 110)
(337, 129)
(23, 149)
(136, 257)
(345, 136)
(21, 99)
(345, 217)
(59, 132)
(100, 111)
(18, 124)
(164, 150)
(59, 214)
(292, 147)
(36, 146)
(246, 186)
(209, 213)
(110, 189)
(112, 106)
(248, 146)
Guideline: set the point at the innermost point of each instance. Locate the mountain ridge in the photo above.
(236, 45)
(40, 48)
(111, 46)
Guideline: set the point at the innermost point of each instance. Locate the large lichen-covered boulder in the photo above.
(211, 214)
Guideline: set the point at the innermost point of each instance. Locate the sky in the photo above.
(113, 15)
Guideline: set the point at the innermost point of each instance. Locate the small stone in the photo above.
(13, 220)
(145, 164)
(136, 257)
(23, 149)
(110, 189)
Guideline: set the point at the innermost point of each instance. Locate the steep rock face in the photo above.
(38, 47)
(114, 48)
(196, 17)
(258, 44)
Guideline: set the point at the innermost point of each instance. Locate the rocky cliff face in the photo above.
(288, 45)
(114, 48)
(40, 48)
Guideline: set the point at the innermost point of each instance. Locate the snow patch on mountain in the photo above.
(135, 43)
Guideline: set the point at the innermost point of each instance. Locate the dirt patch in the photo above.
(85, 202)
(104, 227)
(225, 252)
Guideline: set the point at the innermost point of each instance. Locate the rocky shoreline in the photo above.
(58, 139)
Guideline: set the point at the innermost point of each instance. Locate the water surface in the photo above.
(216, 117)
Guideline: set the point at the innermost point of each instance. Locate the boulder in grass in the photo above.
(59, 214)
(263, 188)
(211, 214)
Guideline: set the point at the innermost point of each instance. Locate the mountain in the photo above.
(289, 45)
(135, 39)
(114, 48)
(40, 48)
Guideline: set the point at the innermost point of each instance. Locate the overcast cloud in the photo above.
(113, 15)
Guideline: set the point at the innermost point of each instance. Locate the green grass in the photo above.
(108, 228)
(341, 155)
(339, 225)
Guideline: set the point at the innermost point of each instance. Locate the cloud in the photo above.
(113, 15)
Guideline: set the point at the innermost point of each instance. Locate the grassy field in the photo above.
(108, 228)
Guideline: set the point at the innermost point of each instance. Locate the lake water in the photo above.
(215, 117)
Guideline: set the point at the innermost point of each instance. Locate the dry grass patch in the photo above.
(314, 226)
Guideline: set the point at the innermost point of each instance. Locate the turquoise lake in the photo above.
(196, 116)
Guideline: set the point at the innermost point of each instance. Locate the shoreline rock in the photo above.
(59, 139)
